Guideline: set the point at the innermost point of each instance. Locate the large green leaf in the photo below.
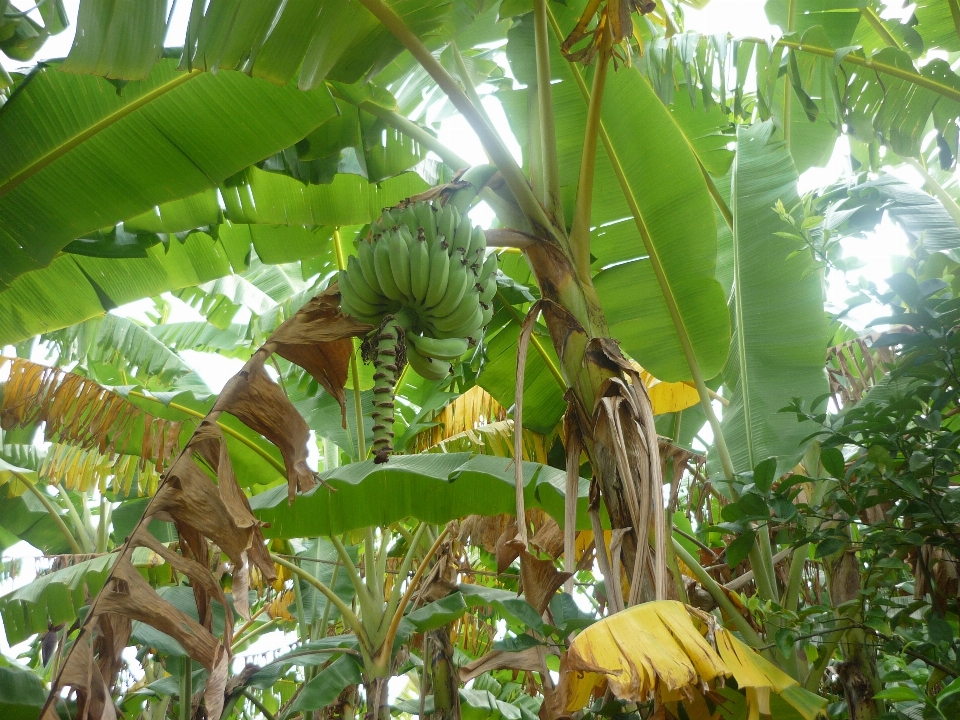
(660, 188)
(331, 38)
(838, 17)
(434, 487)
(21, 693)
(672, 203)
(118, 39)
(54, 597)
(779, 326)
(79, 155)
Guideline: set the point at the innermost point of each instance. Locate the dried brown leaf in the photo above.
(540, 579)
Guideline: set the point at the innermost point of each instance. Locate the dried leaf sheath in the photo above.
(209, 516)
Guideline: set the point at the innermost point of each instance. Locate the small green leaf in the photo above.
(898, 693)
(740, 548)
(832, 461)
(829, 547)
(764, 474)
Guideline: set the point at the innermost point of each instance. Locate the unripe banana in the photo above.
(408, 217)
(487, 315)
(462, 311)
(387, 221)
(438, 349)
(489, 267)
(457, 284)
(365, 258)
(400, 261)
(488, 291)
(426, 367)
(461, 240)
(439, 276)
(427, 221)
(349, 293)
(466, 320)
(360, 285)
(395, 214)
(447, 225)
(348, 309)
(478, 243)
(419, 270)
(384, 272)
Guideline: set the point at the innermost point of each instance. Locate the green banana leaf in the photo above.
(118, 40)
(656, 151)
(80, 156)
(55, 597)
(21, 693)
(780, 332)
(433, 487)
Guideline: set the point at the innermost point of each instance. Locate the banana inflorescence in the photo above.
(424, 279)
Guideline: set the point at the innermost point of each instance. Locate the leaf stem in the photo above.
(387, 646)
(870, 15)
(78, 525)
(411, 130)
(512, 174)
(259, 705)
(354, 372)
(45, 501)
(349, 616)
(580, 229)
(548, 132)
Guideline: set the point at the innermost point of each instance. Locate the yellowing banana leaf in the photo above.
(668, 397)
(662, 649)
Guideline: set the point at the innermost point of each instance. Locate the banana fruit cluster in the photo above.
(427, 266)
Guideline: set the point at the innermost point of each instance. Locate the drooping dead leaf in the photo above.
(509, 546)
(549, 539)
(612, 20)
(525, 660)
(259, 403)
(540, 580)
(208, 515)
(317, 338)
(662, 649)
(80, 413)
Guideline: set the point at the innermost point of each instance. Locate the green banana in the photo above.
(447, 225)
(462, 321)
(457, 284)
(365, 257)
(360, 285)
(348, 291)
(387, 221)
(427, 221)
(400, 260)
(439, 276)
(488, 268)
(439, 349)
(478, 243)
(487, 315)
(461, 240)
(348, 309)
(384, 273)
(408, 218)
(426, 367)
(487, 291)
(419, 270)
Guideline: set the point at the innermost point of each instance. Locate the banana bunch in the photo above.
(424, 278)
(430, 263)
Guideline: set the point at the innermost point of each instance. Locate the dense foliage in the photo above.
(272, 403)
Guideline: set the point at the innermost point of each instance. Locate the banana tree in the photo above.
(630, 227)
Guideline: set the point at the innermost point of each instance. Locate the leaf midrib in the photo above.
(76, 140)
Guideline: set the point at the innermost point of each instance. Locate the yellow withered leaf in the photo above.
(661, 649)
(668, 397)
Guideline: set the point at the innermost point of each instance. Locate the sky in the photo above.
(741, 17)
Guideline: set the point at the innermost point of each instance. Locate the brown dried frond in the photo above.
(855, 366)
(211, 514)
(79, 411)
(612, 17)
